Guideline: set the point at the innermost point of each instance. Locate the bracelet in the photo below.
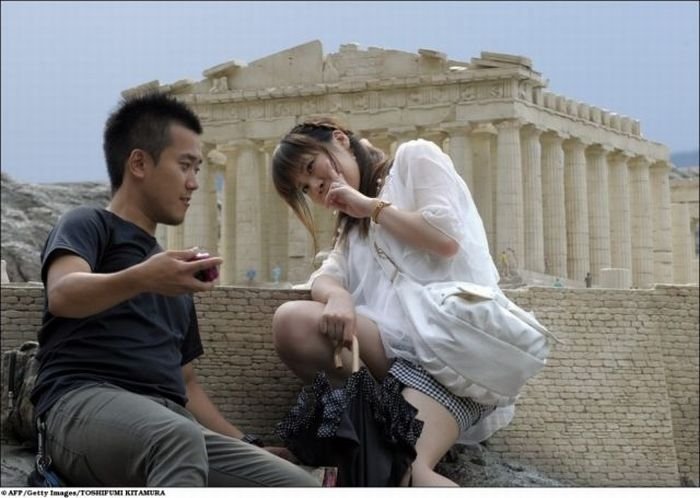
(378, 209)
(252, 439)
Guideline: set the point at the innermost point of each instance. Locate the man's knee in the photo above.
(181, 436)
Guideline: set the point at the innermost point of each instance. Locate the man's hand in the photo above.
(282, 453)
(171, 273)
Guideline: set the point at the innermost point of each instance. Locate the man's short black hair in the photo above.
(143, 122)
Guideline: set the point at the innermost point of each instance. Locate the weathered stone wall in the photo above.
(676, 320)
(617, 404)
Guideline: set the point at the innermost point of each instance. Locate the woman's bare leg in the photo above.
(440, 432)
(301, 346)
(305, 350)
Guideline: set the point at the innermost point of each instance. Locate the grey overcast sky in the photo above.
(64, 64)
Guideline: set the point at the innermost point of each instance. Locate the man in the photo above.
(117, 389)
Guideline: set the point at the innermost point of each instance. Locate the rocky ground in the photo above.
(467, 466)
(28, 213)
(478, 467)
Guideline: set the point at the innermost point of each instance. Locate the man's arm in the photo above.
(202, 407)
(73, 291)
(210, 417)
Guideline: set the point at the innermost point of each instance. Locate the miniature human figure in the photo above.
(116, 387)
(588, 280)
(557, 283)
(512, 261)
(250, 275)
(276, 274)
(424, 211)
(505, 266)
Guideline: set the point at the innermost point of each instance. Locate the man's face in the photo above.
(171, 182)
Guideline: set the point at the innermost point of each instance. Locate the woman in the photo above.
(423, 214)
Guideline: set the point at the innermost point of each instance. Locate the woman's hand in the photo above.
(338, 320)
(343, 197)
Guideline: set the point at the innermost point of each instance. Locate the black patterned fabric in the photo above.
(366, 429)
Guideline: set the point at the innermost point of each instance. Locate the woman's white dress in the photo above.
(421, 179)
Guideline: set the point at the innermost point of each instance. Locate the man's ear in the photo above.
(136, 163)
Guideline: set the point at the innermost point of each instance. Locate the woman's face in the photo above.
(319, 170)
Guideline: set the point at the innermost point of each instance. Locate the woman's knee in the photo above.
(291, 325)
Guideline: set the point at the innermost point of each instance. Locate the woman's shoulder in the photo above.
(418, 147)
(419, 156)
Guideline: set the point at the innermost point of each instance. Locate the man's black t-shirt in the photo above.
(139, 344)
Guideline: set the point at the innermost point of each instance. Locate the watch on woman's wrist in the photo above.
(252, 439)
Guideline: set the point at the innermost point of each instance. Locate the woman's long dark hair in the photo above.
(313, 137)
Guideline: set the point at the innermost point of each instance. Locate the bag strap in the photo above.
(389, 266)
(42, 462)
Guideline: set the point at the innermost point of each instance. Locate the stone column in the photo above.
(217, 162)
(176, 237)
(482, 135)
(576, 200)
(620, 220)
(162, 235)
(642, 228)
(248, 207)
(401, 135)
(277, 220)
(493, 143)
(3, 272)
(553, 206)
(598, 210)
(265, 189)
(228, 217)
(201, 227)
(661, 221)
(509, 191)
(531, 153)
(436, 136)
(682, 243)
(380, 139)
(461, 151)
(299, 256)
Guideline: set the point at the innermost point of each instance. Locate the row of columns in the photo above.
(559, 205)
(566, 207)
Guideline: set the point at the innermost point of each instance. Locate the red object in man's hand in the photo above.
(207, 274)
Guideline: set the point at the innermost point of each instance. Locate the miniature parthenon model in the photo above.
(564, 188)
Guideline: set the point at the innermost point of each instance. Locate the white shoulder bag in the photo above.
(470, 338)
